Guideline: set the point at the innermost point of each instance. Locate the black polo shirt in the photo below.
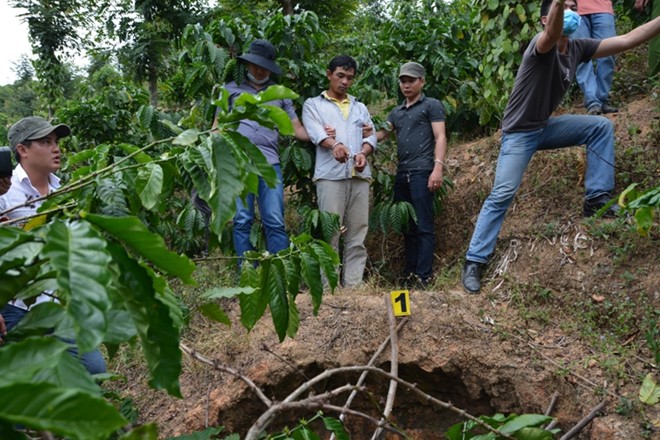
(414, 134)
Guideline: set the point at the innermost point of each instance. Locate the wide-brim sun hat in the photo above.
(263, 54)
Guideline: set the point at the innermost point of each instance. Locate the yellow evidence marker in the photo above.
(400, 302)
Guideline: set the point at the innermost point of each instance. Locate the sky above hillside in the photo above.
(14, 37)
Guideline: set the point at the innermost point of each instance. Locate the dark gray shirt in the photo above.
(542, 82)
(414, 133)
(266, 139)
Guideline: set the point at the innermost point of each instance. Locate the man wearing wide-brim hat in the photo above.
(261, 65)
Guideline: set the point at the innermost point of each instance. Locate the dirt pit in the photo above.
(506, 350)
(448, 349)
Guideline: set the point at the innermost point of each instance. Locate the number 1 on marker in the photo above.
(400, 302)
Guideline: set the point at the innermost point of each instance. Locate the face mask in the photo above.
(256, 81)
(571, 21)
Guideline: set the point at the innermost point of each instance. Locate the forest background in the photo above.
(124, 229)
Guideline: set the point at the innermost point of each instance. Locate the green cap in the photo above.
(34, 127)
(412, 69)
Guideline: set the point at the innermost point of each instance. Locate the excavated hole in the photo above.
(417, 418)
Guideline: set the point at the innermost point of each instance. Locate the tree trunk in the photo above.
(153, 85)
(287, 7)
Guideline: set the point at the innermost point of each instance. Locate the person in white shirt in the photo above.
(34, 142)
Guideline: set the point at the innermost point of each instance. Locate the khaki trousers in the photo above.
(348, 198)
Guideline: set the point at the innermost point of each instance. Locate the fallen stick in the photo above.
(394, 370)
(584, 422)
(364, 374)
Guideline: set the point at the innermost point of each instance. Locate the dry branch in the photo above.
(584, 422)
(394, 370)
(192, 353)
(364, 374)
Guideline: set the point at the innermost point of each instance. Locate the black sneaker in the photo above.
(592, 206)
(606, 108)
(595, 109)
(471, 276)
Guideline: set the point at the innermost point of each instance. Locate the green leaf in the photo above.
(292, 272)
(135, 235)
(252, 305)
(311, 274)
(172, 126)
(207, 434)
(533, 434)
(644, 220)
(329, 224)
(68, 373)
(294, 318)
(188, 137)
(21, 360)
(302, 433)
(276, 92)
(227, 292)
(14, 282)
(258, 164)
(336, 427)
(227, 185)
(197, 161)
(273, 286)
(149, 185)
(152, 318)
(524, 421)
(65, 412)
(145, 115)
(38, 320)
(78, 253)
(141, 157)
(649, 393)
(120, 327)
(214, 312)
(142, 432)
(280, 118)
(329, 261)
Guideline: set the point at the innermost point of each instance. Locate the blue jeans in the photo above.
(595, 83)
(92, 361)
(518, 148)
(271, 208)
(419, 239)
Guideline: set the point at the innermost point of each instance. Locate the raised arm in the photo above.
(639, 35)
(553, 27)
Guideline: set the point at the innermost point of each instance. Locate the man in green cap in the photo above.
(34, 142)
(419, 124)
(34, 145)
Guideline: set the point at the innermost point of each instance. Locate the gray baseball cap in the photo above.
(413, 70)
(34, 127)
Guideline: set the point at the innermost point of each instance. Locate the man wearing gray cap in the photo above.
(260, 60)
(419, 123)
(34, 142)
